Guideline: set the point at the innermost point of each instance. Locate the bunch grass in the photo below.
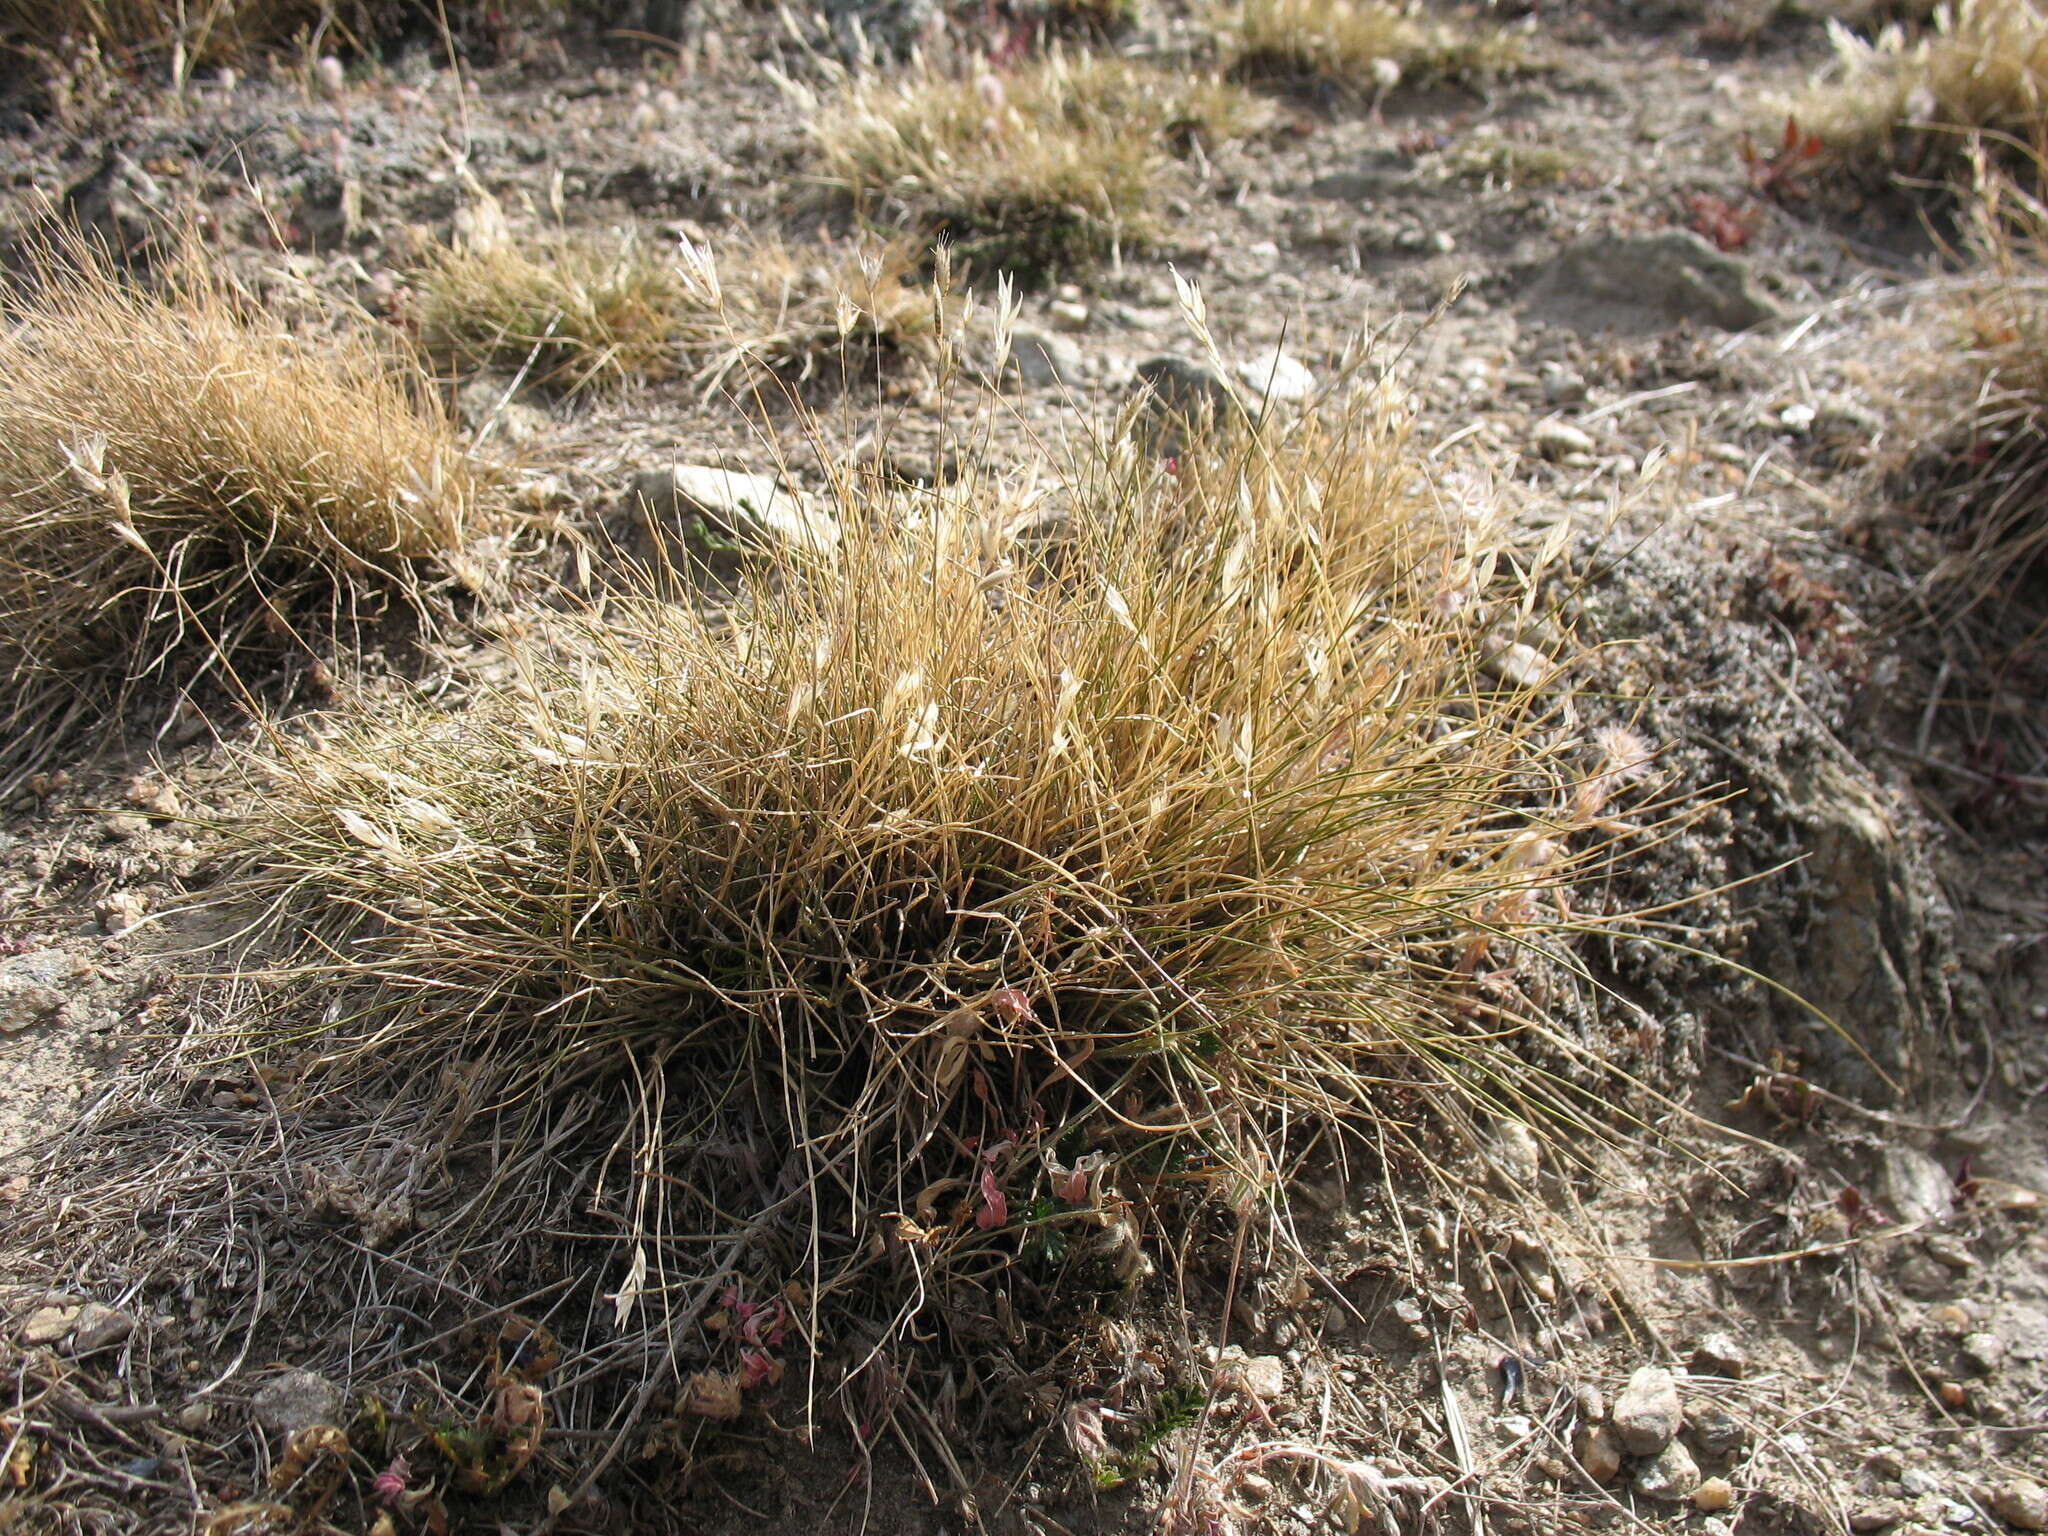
(572, 313)
(1911, 102)
(189, 34)
(975, 886)
(1046, 165)
(1364, 46)
(184, 483)
(1995, 385)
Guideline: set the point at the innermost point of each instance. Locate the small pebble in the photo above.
(1648, 1412)
(2022, 1502)
(1558, 439)
(1983, 1352)
(1718, 1354)
(1599, 1452)
(1713, 1495)
(1670, 1475)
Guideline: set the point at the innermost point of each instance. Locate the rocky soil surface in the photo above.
(1823, 1306)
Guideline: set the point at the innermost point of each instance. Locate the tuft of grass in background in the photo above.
(1994, 473)
(1909, 103)
(1035, 168)
(183, 481)
(1036, 860)
(571, 314)
(1362, 45)
(188, 34)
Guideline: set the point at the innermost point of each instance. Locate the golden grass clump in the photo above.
(191, 33)
(1909, 102)
(182, 477)
(1363, 45)
(1037, 167)
(955, 899)
(1993, 387)
(572, 314)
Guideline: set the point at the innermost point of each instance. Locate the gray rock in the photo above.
(865, 29)
(1137, 317)
(1561, 385)
(1182, 387)
(121, 206)
(1983, 1352)
(1067, 314)
(294, 1401)
(1554, 439)
(29, 988)
(99, 1327)
(482, 408)
(2022, 1502)
(1650, 282)
(1278, 376)
(1670, 1475)
(1039, 359)
(1180, 390)
(1914, 1187)
(706, 506)
(1876, 1515)
(1265, 1376)
(1515, 1154)
(1648, 1413)
(1599, 1452)
(1716, 1433)
(1193, 390)
(1720, 1354)
(1871, 955)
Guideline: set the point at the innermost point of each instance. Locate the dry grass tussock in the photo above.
(1048, 164)
(190, 33)
(1995, 390)
(1362, 45)
(183, 482)
(1909, 102)
(1022, 875)
(572, 314)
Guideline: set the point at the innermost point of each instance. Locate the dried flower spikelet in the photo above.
(1083, 1425)
(1625, 756)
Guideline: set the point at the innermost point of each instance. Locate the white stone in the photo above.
(1648, 1412)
